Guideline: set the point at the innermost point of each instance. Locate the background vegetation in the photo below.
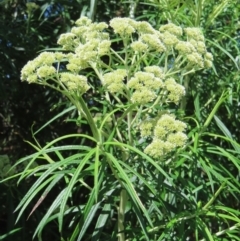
(206, 204)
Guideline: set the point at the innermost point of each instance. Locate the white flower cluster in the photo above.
(41, 68)
(167, 134)
(151, 83)
(169, 38)
(114, 80)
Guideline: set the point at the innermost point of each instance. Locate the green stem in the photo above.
(214, 196)
(121, 214)
(183, 103)
(82, 107)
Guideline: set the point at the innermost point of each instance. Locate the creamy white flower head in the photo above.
(40, 67)
(155, 149)
(45, 58)
(83, 21)
(154, 42)
(123, 26)
(156, 70)
(209, 56)
(208, 60)
(208, 64)
(28, 69)
(139, 46)
(199, 46)
(178, 139)
(98, 26)
(33, 78)
(45, 72)
(195, 59)
(185, 47)
(67, 41)
(76, 63)
(59, 56)
(144, 27)
(114, 80)
(165, 125)
(143, 96)
(145, 80)
(79, 31)
(74, 82)
(167, 135)
(146, 127)
(170, 39)
(175, 90)
(146, 86)
(93, 49)
(194, 33)
(104, 47)
(171, 28)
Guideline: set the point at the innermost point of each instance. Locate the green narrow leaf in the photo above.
(129, 186)
(146, 157)
(96, 166)
(101, 222)
(28, 198)
(86, 211)
(52, 208)
(54, 118)
(226, 132)
(47, 190)
(205, 231)
(88, 220)
(224, 51)
(214, 110)
(71, 184)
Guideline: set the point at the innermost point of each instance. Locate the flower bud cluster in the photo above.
(170, 39)
(74, 82)
(167, 134)
(146, 86)
(41, 68)
(151, 83)
(88, 41)
(114, 80)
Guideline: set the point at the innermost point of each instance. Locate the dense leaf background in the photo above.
(23, 108)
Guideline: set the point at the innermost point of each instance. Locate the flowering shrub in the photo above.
(124, 73)
(139, 79)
